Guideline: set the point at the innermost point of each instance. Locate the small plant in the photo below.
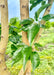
(25, 52)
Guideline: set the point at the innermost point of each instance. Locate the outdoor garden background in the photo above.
(46, 50)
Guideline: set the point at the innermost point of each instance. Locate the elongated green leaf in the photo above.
(32, 32)
(17, 56)
(34, 4)
(40, 10)
(48, 17)
(35, 60)
(27, 21)
(26, 54)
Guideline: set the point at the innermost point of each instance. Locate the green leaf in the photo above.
(35, 60)
(34, 4)
(13, 48)
(26, 54)
(12, 21)
(43, 2)
(48, 17)
(11, 29)
(17, 56)
(32, 32)
(14, 38)
(32, 1)
(37, 45)
(48, 24)
(27, 21)
(40, 10)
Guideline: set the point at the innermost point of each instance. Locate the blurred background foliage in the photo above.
(45, 48)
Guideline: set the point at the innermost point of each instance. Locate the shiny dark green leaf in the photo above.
(27, 21)
(32, 1)
(13, 47)
(35, 3)
(48, 17)
(40, 10)
(35, 60)
(26, 54)
(32, 32)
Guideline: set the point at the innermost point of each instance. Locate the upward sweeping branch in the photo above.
(4, 37)
(24, 8)
(43, 22)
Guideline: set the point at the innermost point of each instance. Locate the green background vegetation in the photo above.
(46, 52)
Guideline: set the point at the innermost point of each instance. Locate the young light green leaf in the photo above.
(26, 54)
(35, 60)
(27, 21)
(12, 21)
(32, 32)
(48, 17)
(48, 24)
(40, 10)
(17, 56)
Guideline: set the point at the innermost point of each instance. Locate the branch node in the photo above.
(3, 6)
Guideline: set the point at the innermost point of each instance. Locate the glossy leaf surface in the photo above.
(26, 54)
(35, 60)
(27, 21)
(48, 17)
(32, 32)
(40, 10)
(35, 3)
